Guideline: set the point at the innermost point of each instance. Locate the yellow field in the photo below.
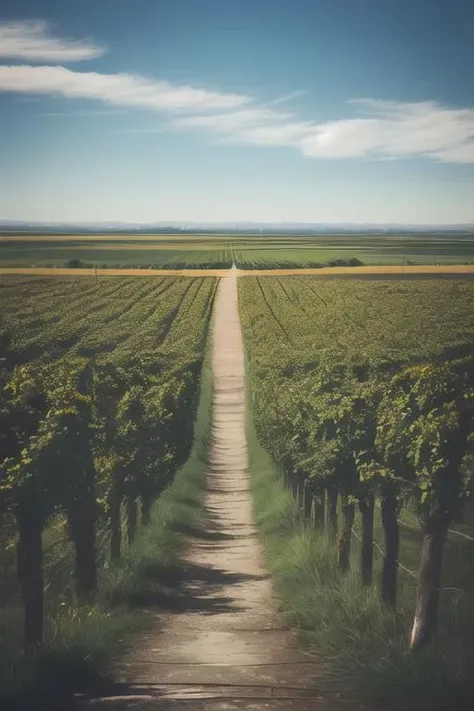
(366, 270)
(454, 269)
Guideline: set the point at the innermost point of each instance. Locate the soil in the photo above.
(222, 646)
(460, 270)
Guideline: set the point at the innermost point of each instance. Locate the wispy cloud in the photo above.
(234, 121)
(286, 133)
(116, 89)
(371, 129)
(457, 154)
(378, 129)
(84, 113)
(143, 130)
(33, 41)
(287, 97)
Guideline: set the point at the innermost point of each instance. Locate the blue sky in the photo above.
(233, 110)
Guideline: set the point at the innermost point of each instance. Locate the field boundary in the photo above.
(364, 271)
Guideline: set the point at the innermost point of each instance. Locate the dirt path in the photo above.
(52, 271)
(461, 270)
(223, 650)
(367, 271)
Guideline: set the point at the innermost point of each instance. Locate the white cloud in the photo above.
(457, 154)
(437, 129)
(387, 129)
(424, 127)
(33, 41)
(278, 134)
(344, 139)
(234, 121)
(374, 129)
(116, 89)
(84, 113)
(287, 97)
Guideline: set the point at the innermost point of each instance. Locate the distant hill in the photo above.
(229, 228)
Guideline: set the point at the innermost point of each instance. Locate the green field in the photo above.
(323, 362)
(127, 255)
(354, 387)
(100, 381)
(308, 251)
(117, 321)
(370, 323)
(248, 252)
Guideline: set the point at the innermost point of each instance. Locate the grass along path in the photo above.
(363, 644)
(220, 646)
(82, 641)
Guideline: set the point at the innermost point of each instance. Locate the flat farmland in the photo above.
(246, 251)
(370, 323)
(106, 382)
(115, 365)
(117, 320)
(298, 251)
(344, 377)
(60, 251)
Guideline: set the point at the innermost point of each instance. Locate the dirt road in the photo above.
(52, 271)
(461, 270)
(367, 271)
(224, 649)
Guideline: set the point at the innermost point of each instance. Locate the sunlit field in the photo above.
(220, 251)
(353, 389)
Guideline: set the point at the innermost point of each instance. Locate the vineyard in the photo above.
(362, 393)
(359, 444)
(100, 383)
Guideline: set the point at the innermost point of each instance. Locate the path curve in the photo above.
(225, 650)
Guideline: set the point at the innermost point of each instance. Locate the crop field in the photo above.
(360, 447)
(220, 251)
(116, 321)
(358, 391)
(122, 254)
(99, 388)
(369, 322)
(370, 249)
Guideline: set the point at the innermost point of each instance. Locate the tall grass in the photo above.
(362, 645)
(81, 641)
